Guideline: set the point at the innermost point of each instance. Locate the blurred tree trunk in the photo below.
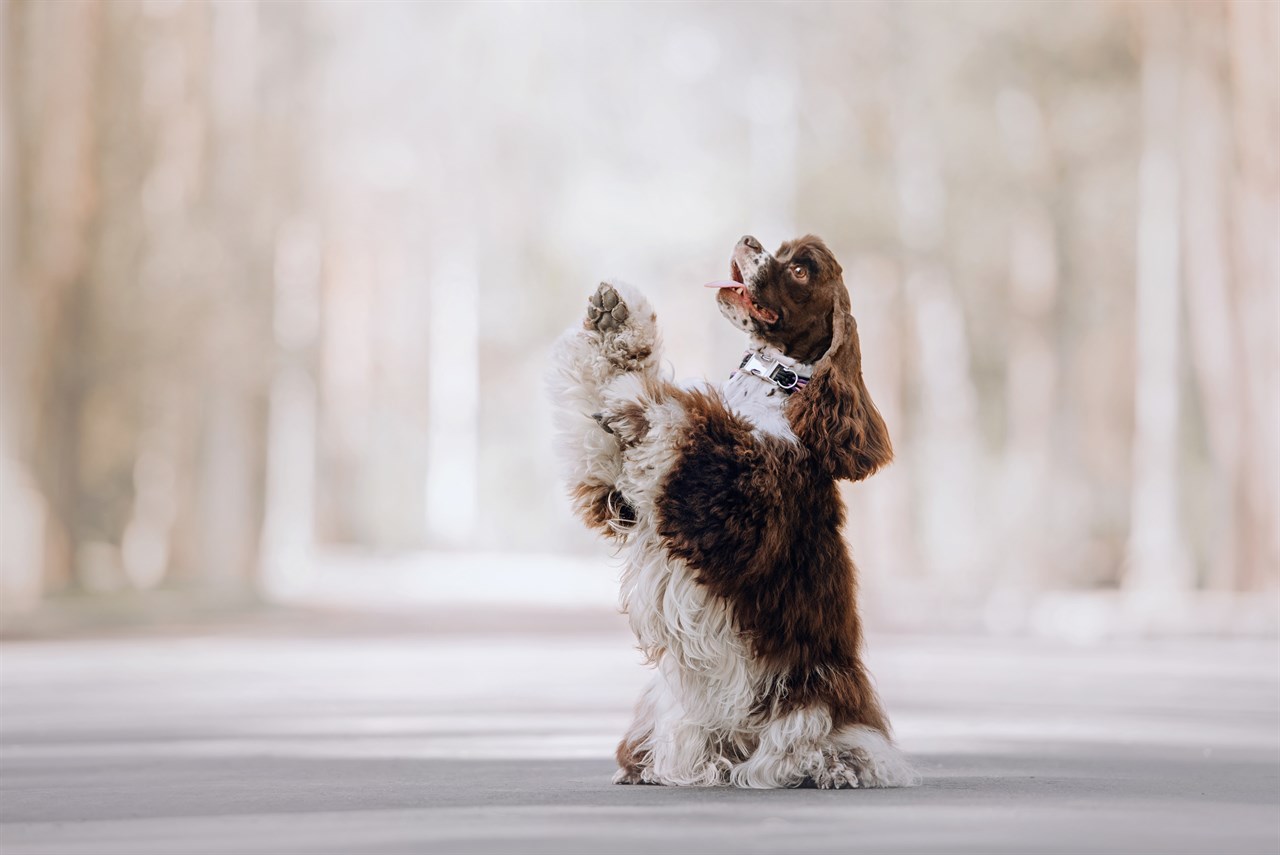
(1032, 392)
(1158, 561)
(1253, 49)
(57, 198)
(1219, 101)
(1213, 335)
(946, 432)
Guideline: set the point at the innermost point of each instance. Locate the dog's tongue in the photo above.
(723, 283)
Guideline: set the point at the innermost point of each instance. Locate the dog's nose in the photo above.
(751, 243)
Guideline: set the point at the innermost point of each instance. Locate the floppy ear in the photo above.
(833, 416)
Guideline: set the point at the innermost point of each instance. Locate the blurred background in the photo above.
(280, 279)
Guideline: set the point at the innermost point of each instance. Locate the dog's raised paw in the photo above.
(621, 323)
(606, 310)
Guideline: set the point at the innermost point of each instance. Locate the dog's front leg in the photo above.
(617, 338)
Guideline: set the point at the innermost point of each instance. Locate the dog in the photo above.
(723, 502)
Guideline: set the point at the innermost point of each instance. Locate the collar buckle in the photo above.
(772, 371)
(785, 379)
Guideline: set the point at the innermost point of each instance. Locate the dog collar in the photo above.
(788, 379)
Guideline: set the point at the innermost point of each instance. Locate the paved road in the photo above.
(472, 741)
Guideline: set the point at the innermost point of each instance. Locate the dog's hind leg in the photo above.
(682, 752)
(635, 751)
(664, 746)
(877, 761)
(800, 748)
(791, 752)
(618, 336)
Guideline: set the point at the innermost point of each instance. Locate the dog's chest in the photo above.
(761, 403)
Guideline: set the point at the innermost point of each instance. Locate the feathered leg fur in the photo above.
(618, 337)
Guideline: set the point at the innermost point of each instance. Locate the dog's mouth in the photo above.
(734, 289)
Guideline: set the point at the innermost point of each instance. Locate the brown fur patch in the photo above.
(632, 759)
(603, 508)
(628, 423)
(834, 416)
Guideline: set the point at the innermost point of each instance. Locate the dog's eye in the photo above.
(800, 272)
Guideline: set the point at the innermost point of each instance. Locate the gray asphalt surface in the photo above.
(477, 742)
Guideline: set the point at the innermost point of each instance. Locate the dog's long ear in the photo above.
(833, 416)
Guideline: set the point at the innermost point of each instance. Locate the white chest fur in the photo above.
(759, 401)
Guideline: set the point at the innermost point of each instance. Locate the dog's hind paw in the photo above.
(628, 776)
(833, 773)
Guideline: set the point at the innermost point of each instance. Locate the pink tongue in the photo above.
(723, 283)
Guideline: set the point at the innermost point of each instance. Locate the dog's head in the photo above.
(795, 301)
(789, 300)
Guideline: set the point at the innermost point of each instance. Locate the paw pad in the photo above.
(605, 309)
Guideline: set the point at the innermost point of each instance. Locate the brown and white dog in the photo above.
(737, 581)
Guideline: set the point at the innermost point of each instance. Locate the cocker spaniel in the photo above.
(724, 503)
